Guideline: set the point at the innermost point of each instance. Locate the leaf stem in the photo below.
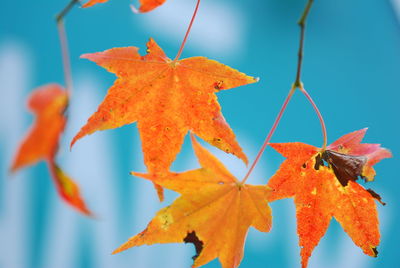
(64, 44)
(321, 119)
(178, 55)
(296, 85)
(65, 55)
(271, 132)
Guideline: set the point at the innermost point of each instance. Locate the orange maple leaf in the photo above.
(214, 212)
(145, 5)
(323, 185)
(167, 98)
(49, 103)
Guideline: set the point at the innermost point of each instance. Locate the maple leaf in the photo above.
(167, 98)
(214, 212)
(48, 103)
(323, 185)
(145, 5)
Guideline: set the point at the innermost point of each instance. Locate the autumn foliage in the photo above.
(49, 104)
(214, 212)
(323, 184)
(168, 98)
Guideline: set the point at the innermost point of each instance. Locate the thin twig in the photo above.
(302, 24)
(296, 84)
(269, 136)
(66, 9)
(65, 55)
(64, 44)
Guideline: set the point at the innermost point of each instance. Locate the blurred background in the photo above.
(351, 68)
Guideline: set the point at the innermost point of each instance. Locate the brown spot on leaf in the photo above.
(375, 251)
(346, 167)
(198, 244)
(218, 85)
(376, 196)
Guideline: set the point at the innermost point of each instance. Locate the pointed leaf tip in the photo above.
(149, 5)
(68, 189)
(145, 5)
(91, 3)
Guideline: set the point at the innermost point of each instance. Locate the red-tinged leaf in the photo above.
(145, 5)
(323, 184)
(350, 144)
(68, 189)
(214, 212)
(167, 99)
(149, 5)
(93, 2)
(48, 103)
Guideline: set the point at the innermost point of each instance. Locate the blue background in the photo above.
(351, 68)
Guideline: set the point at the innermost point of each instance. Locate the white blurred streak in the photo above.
(145, 206)
(14, 77)
(61, 233)
(349, 255)
(90, 165)
(15, 69)
(396, 6)
(218, 29)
